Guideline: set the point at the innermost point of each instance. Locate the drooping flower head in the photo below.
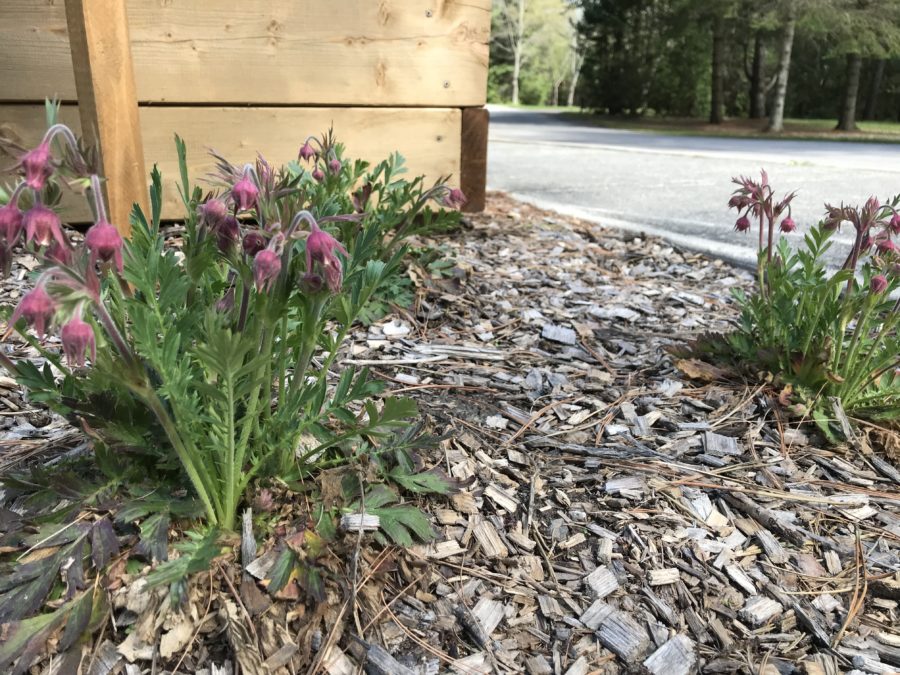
(60, 253)
(253, 243)
(320, 250)
(742, 224)
(266, 268)
(318, 174)
(11, 224)
(334, 165)
(360, 198)
(886, 246)
(105, 244)
(212, 212)
(895, 223)
(244, 193)
(878, 284)
(455, 199)
(228, 233)
(42, 226)
(77, 336)
(38, 309)
(38, 166)
(788, 225)
(307, 152)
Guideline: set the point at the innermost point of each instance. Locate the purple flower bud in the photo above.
(742, 224)
(878, 284)
(37, 307)
(266, 268)
(318, 174)
(307, 152)
(334, 165)
(311, 283)
(10, 224)
(37, 165)
(455, 199)
(59, 253)
(76, 337)
(212, 212)
(320, 248)
(885, 246)
(226, 302)
(105, 244)
(361, 197)
(895, 223)
(788, 225)
(244, 194)
(42, 226)
(253, 243)
(228, 233)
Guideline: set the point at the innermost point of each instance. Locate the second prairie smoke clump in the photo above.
(823, 335)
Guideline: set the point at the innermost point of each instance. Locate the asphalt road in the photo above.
(677, 187)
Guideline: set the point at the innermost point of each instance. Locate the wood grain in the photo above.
(473, 157)
(429, 138)
(104, 79)
(302, 52)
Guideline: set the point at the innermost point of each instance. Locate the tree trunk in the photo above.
(776, 121)
(757, 87)
(874, 90)
(577, 61)
(717, 97)
(517, 51)
(517, 67)
(847, 121)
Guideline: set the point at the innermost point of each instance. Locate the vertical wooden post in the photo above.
(473, 157)
(107, 102)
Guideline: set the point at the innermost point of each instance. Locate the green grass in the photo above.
(794, 129)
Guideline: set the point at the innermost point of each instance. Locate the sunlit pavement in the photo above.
(677, 187)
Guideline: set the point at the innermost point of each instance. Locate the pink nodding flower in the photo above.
(77, 336)
(742, 224)
(38, 166)
(455, 199)
(244, 193)
(318, 175)
(11, 224)
(878, 284)
(60, 253)
(105, 244)
(895, 223)
(42, 226)
(320, 249)
(212, 212)
(886, 246)
(38, 309)
(788, 225)
(228, 233)
(266, 268)
(307, 152)
(253, 243)
(334, 165)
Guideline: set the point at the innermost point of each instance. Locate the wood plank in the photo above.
(104, 79)
(473, 157)
(342, 52)
(428, 137)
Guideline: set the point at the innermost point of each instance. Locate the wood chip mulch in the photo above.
(629, 511)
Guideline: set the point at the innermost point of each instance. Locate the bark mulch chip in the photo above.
(626, 511)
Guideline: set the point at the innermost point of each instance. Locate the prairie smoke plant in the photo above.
(220, 358)
(825, 335)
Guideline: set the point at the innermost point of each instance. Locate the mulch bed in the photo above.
(626, 510)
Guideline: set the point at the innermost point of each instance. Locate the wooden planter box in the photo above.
(242, 76)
